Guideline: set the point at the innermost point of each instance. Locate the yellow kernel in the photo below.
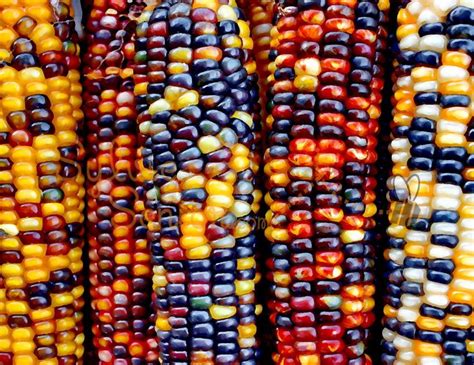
(221, 311)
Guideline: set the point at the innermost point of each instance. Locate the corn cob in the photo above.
(120, 267)
(324, 108)
(41, 220)
(260, 14)
(196, 94)
(428, 311)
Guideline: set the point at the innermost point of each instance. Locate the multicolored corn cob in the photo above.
(261, 14)
(119, 258)
(196, 96)
(41, 185)
(325, 95)
(430, 256)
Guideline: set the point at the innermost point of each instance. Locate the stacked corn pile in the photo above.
(120, 262)
(196, 94)
(428, 311)
(41, 214)
(325, 94)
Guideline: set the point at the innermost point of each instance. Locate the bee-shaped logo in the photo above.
(402, 195)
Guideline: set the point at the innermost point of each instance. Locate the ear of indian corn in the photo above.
(41, 215)
(430, 260)
(196, 95)
(261, 14)
(324, 108)
(119, 259)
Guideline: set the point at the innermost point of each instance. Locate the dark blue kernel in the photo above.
(180, 40)
(407, 57)
(311, 4)
(204, 64)
(448, 216)
(394, 290)
(227, 348)
(450, 153)
(454, 334)
(237, 77)
(428, 58)
(178, 300)
(450, 178)
(420, 137)
(414, 262)
(454, 347)
(227, 336)
(446, 266)
(460, 309)
(468, 187)
(367, 9)
(418, 224)
(461, 31)
(284, 98)
(202, 344)
(202, 330)
(466, 45)
(227, 27)
(461, 14)
(424, 150)
(432, 28)
(427, 98)
(366, 23)
(449, 166)
(397, 243)
(430, 336)
(448, 101)
(445, 240)
(439, 277)
(429, 311)
(394, 302)
(391, 323)
(407, 329)
(180, 333)
(412, 288)
(229, 324)
(208, 76)
(224, 266)
(199, 265)
(470, 161)
(223, 277)
(215, 88)
(420, 163)
(401, 131)
(180, 25)
(196, 317)
(178, 344)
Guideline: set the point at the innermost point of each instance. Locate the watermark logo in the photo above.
(402, 195)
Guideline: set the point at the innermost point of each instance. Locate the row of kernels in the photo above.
(119, 256)
(291, 154)
(399, 193)
(340, 24)
(261, 14)
(147, 195)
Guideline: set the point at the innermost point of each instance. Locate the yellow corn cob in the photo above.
(41, 203)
